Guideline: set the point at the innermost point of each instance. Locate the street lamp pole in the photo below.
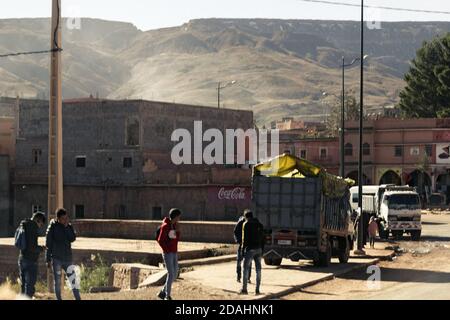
(342, 130)
(361, 124)
(342, 133)
(220, 87)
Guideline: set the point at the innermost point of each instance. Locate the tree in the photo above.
(351, 112)
(427, 93)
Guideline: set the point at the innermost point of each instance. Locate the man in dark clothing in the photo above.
(60, 235)
(252, 248)
(28, 258)
(240, 257)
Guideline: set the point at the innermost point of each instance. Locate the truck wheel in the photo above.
(384, 234)
(276, 261)
(268, 261)
(415, 235)
(344, 250)
(325, 257)
(398, 235)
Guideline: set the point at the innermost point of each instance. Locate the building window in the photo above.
(79, 211)
(37, 153)
(399, 151)
(132, 133)
(415, 151)
(348, 149)
(429, 150)
(127, 162)
(323, 153)
(36, 208)
(366, 149)
(80, 162)
(303, 154)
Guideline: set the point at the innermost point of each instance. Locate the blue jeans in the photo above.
(68, 268)
(171, 262)
(240, 258)
(249, 255)
(28, 276)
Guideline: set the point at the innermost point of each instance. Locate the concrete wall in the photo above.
(145, 230)
(201, 203)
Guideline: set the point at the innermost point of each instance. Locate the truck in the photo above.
(397, 208)
(305, 211)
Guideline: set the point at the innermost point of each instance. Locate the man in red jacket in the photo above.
(168, 238)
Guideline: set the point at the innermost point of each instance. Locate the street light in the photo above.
(342, 129)
(220, 87)
(360, 250)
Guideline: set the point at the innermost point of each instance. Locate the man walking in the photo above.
(29, 253)
(168, 237)
(60, 235)
(240, 257)
(252, 248)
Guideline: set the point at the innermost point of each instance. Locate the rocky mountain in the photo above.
(282, 67)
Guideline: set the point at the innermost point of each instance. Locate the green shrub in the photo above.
(94, 275)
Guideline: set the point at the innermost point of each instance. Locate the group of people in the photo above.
(248, 233)
(58, 252)
(60, 235)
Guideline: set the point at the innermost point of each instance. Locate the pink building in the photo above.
(400, 151)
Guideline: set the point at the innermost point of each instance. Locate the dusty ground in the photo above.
(421, 271)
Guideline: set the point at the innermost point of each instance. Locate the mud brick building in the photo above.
(117, 161)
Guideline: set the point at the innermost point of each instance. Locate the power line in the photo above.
(376, 7)
(55, 44)
(14, 54)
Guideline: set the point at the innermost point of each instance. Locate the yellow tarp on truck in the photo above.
(288, 166)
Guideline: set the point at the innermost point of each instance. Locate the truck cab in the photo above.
(400, 212)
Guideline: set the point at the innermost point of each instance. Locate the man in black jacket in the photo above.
(252, 248)
(240, 257)
(60, 235)
(28, 258)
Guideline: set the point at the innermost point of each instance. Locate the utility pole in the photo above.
(55, 170)
(342, 131)
(361, 131)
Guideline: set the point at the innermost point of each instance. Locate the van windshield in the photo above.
(403, 201)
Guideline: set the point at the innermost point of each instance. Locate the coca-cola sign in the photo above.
(229, 194)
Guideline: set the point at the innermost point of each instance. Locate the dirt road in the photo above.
(421, 271)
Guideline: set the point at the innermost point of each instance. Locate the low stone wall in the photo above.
(129, 276)
(9, 257)
(191, 231)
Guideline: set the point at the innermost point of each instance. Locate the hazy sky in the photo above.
(152, 14)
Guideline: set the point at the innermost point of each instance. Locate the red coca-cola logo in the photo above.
(231, 194)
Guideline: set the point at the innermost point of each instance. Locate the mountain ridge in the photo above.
(282, 67)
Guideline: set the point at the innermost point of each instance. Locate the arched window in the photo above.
(348, 150)
(366, 149)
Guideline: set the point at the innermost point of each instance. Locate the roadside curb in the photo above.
(206, 261)
(325, 278)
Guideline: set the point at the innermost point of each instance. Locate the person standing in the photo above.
(59, 239)
(373, 230)
(240, 257)
(29, 253)
(168, 237)
(252, 249)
